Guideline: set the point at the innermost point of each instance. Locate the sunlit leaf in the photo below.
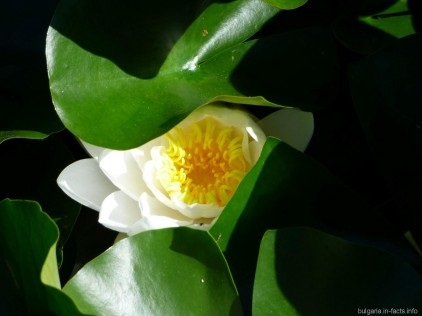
(159, 272)
(141, 76)
(366, 32)
(303, 271)
(396, 20)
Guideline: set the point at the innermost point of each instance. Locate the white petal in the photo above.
(143, 153)
(256, 134)
(84, 182)
(94, 151)
(292, 126)
(226, 115)
(155, 222)
(150, 206)
(154, 185)
(119, 212)
(255, 149)
(198, 210)
(120, 167)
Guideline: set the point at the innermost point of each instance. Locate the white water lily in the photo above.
(183, 178)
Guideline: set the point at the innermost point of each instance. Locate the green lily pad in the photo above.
(161, 272)
(28, 266)
(303, 271)
(287, 188)
(118, 80)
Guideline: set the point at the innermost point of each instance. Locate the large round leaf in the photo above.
(28, 266)
(119, 80)
(303, 271)
(163, 272)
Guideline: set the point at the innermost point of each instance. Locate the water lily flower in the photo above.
(183, 178)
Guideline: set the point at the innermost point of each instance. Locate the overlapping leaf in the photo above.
(162, 272)
(28, 266)
(119, 80)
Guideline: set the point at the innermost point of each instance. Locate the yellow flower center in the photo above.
(203, 162)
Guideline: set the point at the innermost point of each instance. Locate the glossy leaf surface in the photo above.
(159, 272)
(142, 76)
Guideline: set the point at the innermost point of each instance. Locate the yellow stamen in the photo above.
(203, 163)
